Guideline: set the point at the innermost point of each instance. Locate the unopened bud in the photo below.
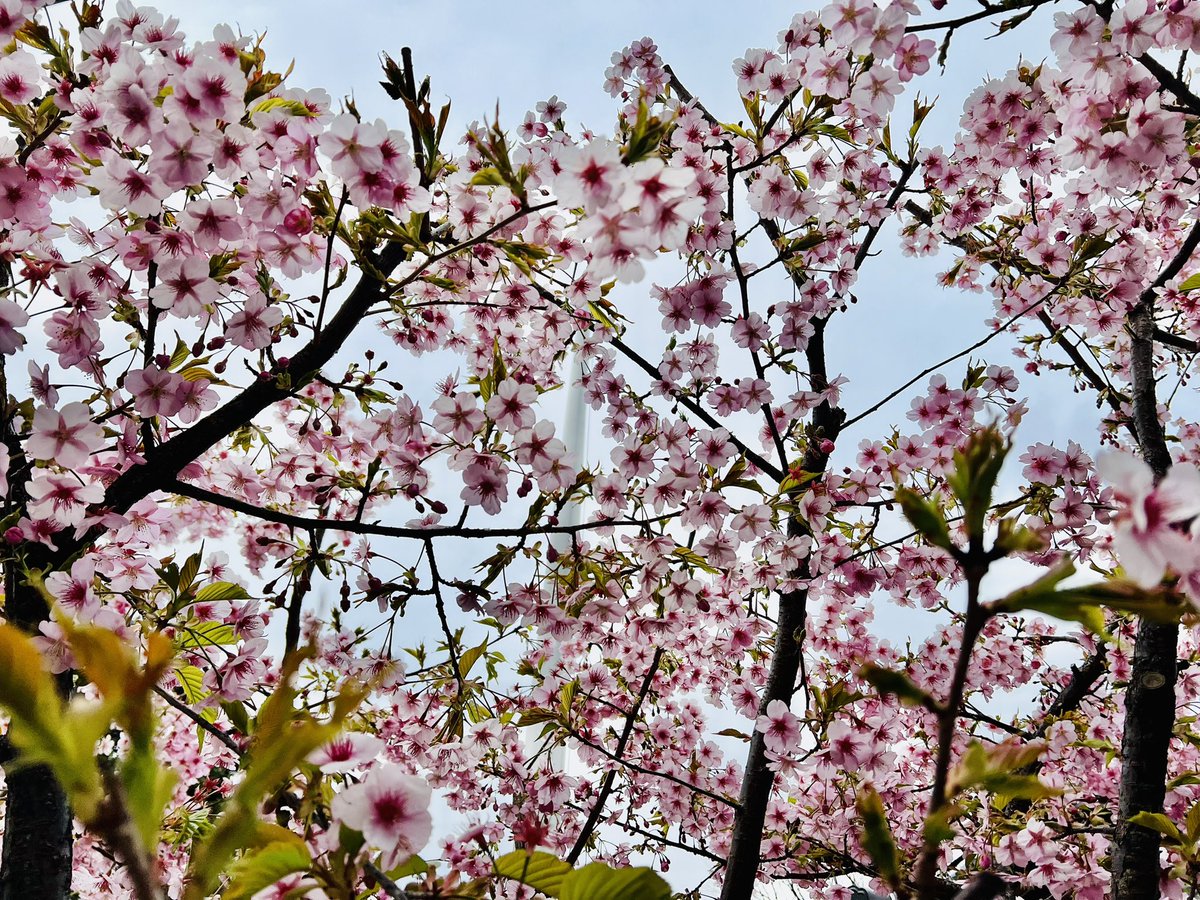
(299, 221)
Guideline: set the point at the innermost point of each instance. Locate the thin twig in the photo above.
(204, 724)
(606, 786)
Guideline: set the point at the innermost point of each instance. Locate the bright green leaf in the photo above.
(262, 868)
(1160, 823)
(598, 881)
(544, 872)
(876, 837)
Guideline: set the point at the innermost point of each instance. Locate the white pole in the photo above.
(574, 435)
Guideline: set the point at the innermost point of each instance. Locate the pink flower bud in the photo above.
(826, 446)
(299, 221)
(14, 535)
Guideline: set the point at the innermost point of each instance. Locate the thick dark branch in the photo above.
(1172, 82)
(929, 370)
(975, 566)
(988, 10)
(389, 887)
(1179, 342)
(164, 465)
(1093, 377)
(697, 410)
(439, 600)
(984, 886)
(683, 400)
(1083, 679)
(745, 850)
(167, 460)
(643, 770)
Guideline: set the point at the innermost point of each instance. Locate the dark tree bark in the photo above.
(37, 854)
(1149, 719)
(1150, 697)
(745, 856)
(741, 868)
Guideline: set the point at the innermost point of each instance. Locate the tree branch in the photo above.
(350, 526)
(202, 722)
(606, 786)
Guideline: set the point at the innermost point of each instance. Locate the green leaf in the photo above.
(414, 866)
(997, 769)
(1125, 596)
(544, 872)
(262, 868)
(734, 733)
(1083, 604)
(1041, 596)
(284, 736)
(221, 590)
(1193, 823)
(937, 829)
(876, 837)
(692, 558)
(926, 518)
(295, 107)
(1012, 537)
(191, 568)
(536, 716)
(1190, 284)
(236, 711)
(1158, 822)
(148, 787)
(206, 634)
(468, 659)
(191, 679)
(976, 468)
(598, 881)
(42, 728)
(899, 685)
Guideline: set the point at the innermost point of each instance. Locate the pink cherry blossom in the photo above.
(66, 436)
(62, 499)
(347, 751)
(155, 392)
(1144, 536)
(391, 809)
(251, 325)
(779, 727)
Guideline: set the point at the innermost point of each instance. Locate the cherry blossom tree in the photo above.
(306, 595)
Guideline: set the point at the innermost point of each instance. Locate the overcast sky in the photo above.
(479, 54)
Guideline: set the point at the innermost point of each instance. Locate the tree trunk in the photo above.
(744, 851)
(1150, 697)
(1149, 716)
(36, 860)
